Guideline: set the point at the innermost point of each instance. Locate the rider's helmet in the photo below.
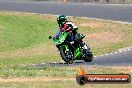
(61, 19)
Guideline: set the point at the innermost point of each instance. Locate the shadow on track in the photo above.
(57, 64)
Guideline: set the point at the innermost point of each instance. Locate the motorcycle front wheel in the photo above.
(67, 56)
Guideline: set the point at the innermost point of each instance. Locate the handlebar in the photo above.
(50, 37)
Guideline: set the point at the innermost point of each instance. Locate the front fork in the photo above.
(66, 47)
(77, 52)
(67, 51)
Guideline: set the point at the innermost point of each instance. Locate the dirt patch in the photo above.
(1, 29)
(105, 37)
(20, 79)
(93, 24)
(125, 69)
(35, 50)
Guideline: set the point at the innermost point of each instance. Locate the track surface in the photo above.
(123, 58)
(111, 12)
(120, 58)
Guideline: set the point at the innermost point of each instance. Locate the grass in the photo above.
(27, 60)
(24, 41)
(61, 84)
(23, 31)
(59, 72)
(55, 71)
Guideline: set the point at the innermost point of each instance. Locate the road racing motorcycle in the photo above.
(72, 50)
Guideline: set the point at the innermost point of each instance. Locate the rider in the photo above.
(68, 26)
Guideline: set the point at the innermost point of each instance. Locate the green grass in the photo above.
(24, 40)
(60, 84)
(23, 31)
(54, 71)
(28, 60)
(58, 72)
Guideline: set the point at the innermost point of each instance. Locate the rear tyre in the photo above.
(66, 56)
(88, 54)
(88, 58)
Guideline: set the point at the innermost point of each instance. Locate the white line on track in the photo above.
(120, 51)
(101, 55)
(115, 52)
(111, 53)
(124, 50)
(95, 56)
(106, 54)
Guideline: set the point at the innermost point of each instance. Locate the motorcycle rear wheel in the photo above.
(88, 54)
(88, 58)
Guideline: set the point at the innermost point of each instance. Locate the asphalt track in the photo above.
(110, 12)
(101, 11)
(119, 58)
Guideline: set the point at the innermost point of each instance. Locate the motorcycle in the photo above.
(72, 50)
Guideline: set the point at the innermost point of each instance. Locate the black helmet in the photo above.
(61, 20)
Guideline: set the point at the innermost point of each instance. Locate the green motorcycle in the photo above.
(72, 50)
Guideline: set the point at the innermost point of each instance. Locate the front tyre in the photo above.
(66, 55)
